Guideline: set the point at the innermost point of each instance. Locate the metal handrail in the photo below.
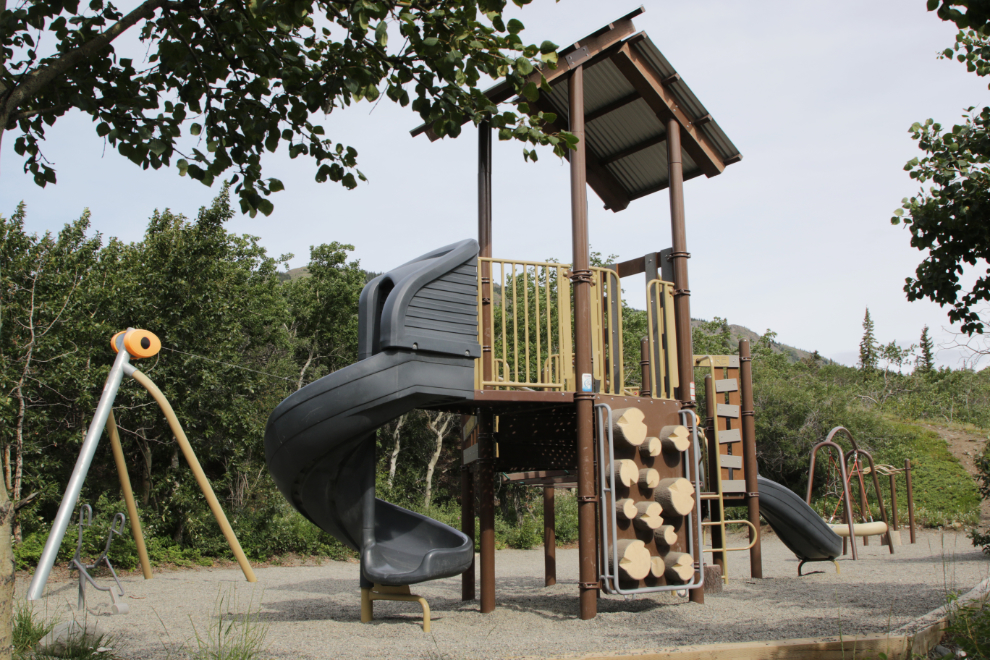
(663, 342)
(731, 522)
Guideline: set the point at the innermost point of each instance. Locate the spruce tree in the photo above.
(926, 361)
(868, 358)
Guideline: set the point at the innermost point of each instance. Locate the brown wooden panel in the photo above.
(657, 414)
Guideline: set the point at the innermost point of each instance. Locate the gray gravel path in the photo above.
(314, 611)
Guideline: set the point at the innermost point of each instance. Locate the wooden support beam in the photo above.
(634, 149)
(608, 189)
(631, 267)
(694, 174)
(640, 74)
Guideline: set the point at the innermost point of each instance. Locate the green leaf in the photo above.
(548, 47)
(103, 129)
(157, 147)
(531, 92)
(515, 26)
(523, 66)
(265, 207)
(381, 34)
(195, 129)
(274, 185)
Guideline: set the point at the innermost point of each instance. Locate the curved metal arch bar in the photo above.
(876, 488)
(842, 471)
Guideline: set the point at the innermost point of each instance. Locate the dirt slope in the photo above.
(966, 445)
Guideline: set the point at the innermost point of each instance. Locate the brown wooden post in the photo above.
(584, 397)
(682, 299)
(644, 365)
(486, 492)
(467, 511)
(714, 510)
(864, 506)
(486, 421)
(893, 501)
(750, 471)
(549, 537)
(910, 496)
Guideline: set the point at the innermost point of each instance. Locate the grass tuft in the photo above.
(233, 635)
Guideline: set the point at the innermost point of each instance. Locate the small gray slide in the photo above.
(418, 339)
(801, 529)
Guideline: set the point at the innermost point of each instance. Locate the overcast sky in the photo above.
(796, 237)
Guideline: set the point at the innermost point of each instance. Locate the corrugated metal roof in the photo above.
(626, 146)
(636, 123)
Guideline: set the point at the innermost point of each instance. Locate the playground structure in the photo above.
(116, 528)
(850, 530)
(530, 354)
(129, 344)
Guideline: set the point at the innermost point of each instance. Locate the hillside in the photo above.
(740, 332)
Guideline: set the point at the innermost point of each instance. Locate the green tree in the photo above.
(238, 78)
(44, 282)
(947, 218)
(868, 350)
(926, 360)
(324, 311)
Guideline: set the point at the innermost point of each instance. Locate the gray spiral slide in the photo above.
(417, 345)
(801, 529)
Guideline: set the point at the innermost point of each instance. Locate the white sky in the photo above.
(795, 238)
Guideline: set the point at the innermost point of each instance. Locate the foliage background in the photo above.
(238, 336)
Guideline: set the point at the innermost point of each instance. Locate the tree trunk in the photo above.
(302, 372)
(438, 425)
(146, 472)
(394, 460)
(6, 575)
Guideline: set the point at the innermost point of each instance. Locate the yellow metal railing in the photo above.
(529, 319)
(663, 342)
(529, 324)
(606, 330)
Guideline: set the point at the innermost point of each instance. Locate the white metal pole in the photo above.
(68, 505)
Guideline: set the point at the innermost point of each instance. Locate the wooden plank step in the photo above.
(732, 462)
(727, 385)
(728, 410)
(729, 436)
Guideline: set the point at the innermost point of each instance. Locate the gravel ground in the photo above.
(314, 611)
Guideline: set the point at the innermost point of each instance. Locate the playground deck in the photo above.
(314, 611)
